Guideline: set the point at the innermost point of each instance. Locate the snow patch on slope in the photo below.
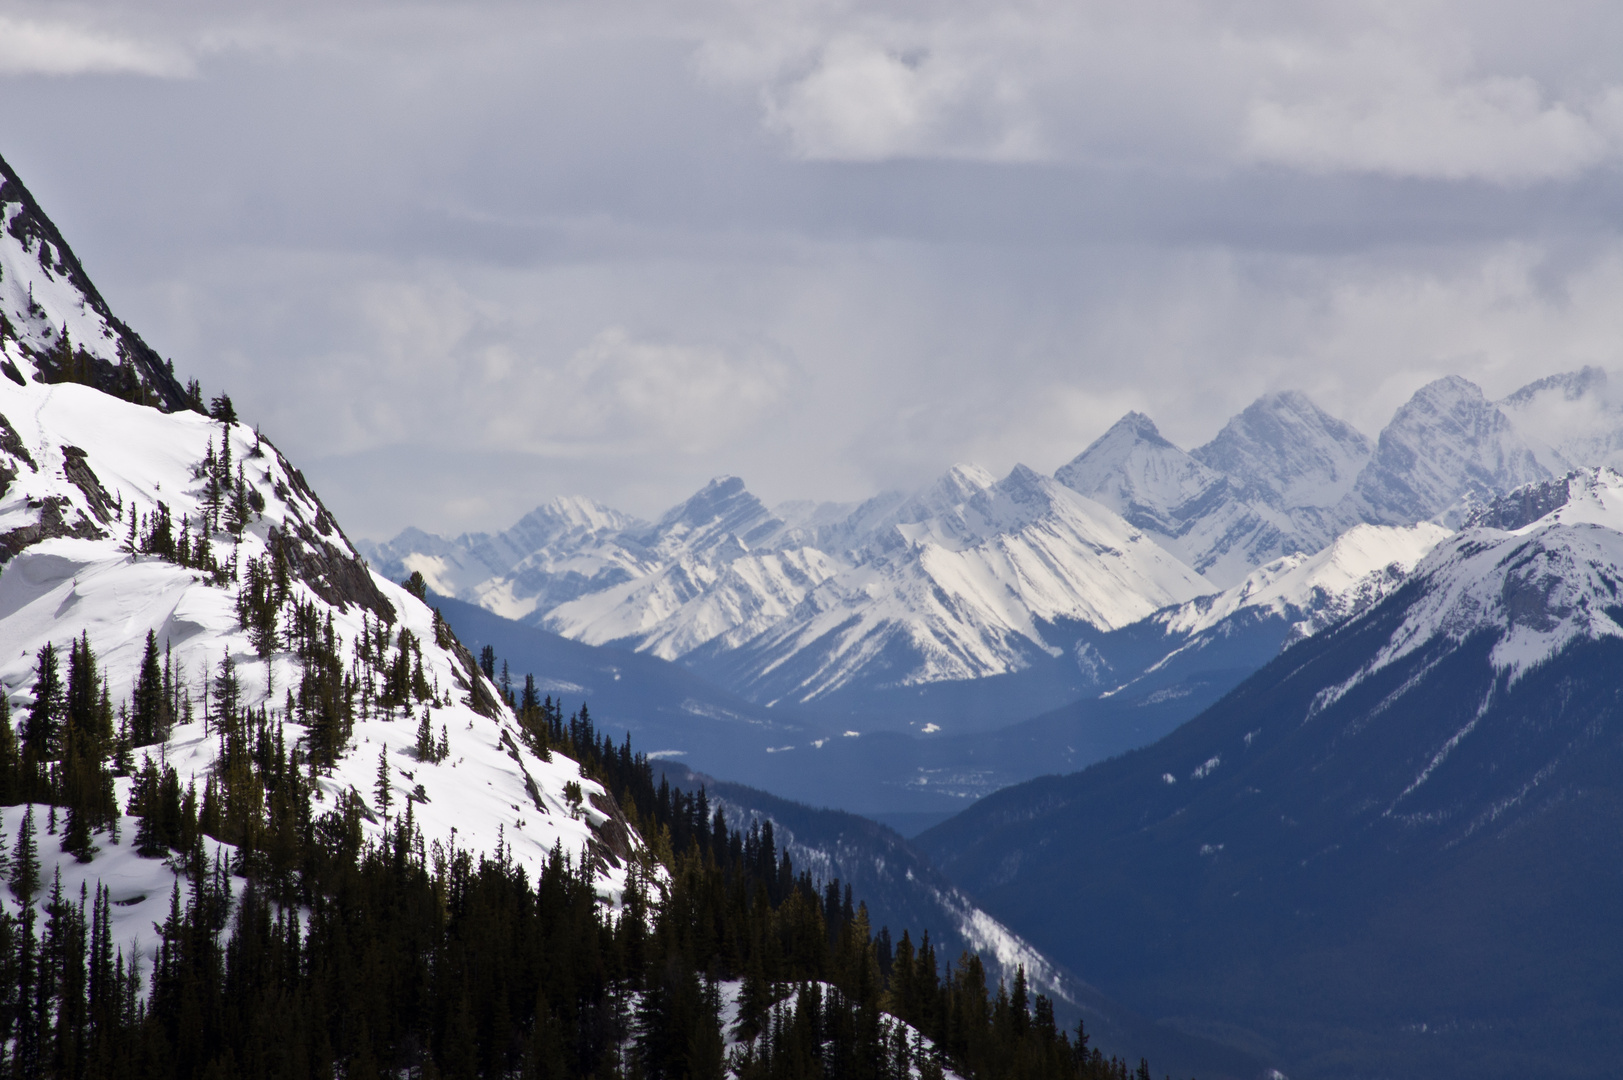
(1352, 574)
(1536, 588)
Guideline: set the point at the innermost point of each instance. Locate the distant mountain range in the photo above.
(984, 631)
(975, 576)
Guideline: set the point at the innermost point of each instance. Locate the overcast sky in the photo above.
(457, 259)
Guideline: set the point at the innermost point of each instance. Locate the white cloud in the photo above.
(30, 47)
(1444, 91)
(862, 101)
(1378, 107)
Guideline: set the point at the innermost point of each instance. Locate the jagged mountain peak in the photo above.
(967, 478)
(1136, 472)
(1290, 452)
(62, 328)
(1447, 449)
(949, 491)
(1135, 425)
(578, 511)
(968, 506)
(722, 509)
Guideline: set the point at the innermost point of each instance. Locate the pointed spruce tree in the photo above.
(45, 715)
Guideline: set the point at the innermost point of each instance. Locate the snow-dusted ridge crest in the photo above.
(1554, 576)
(952, 582)
(1357, 570)
(962, 579)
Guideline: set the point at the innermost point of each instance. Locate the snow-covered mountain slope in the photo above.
(567, 548)
(710, 572)
(951, 582)
(100, 464)
(120, 519)
(1314, 591)
(1535, 570)
(963, 594)
(1289, 452)
(1445, 451)
(54, 316)
(1269, 484)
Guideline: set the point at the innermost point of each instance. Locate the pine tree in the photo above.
(149, 719)
(222, 410)
(25, 861)
(227, 693)
(382, 789)
(425, 740)
(83, 686)
(45, 716)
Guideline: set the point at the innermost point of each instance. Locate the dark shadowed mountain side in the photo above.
(1394, 851)
(902, 888)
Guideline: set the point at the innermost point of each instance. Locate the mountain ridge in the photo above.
(824, 601)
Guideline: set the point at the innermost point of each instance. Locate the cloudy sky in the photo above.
(456, 259)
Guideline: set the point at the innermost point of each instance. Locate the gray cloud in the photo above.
(459, 259)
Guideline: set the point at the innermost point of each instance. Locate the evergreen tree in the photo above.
(221, 409)
(425, 749)
(25, 860)
(46, 714)
(149, 717)
(382, 789)
(227, 693)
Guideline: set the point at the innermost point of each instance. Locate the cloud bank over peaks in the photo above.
(1401, 117)
(1447, 93)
